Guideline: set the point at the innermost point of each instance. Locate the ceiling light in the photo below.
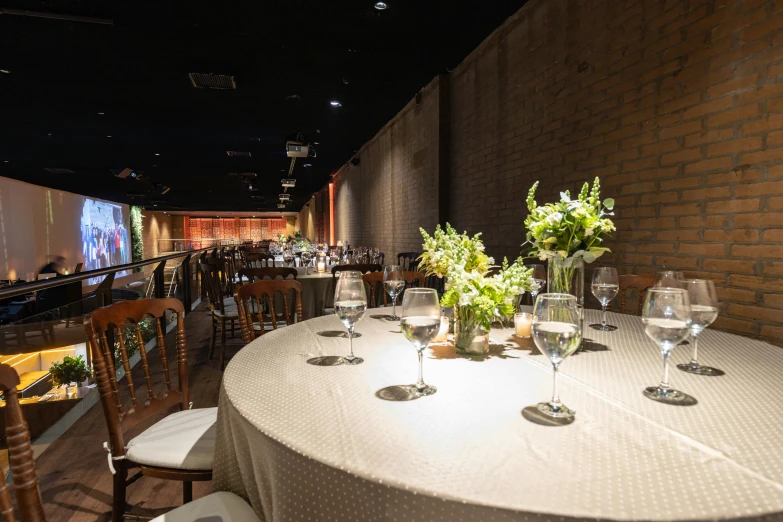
(6, 161)
(157, 154)
(288, 183)
(109, 136)
(380, 6)
(307, 165)
(101, 113)
(5, 71)
(253, 216)
(335, 103)
(250, 187)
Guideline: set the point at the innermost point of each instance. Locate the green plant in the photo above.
(148, 332)
(137, 243)
(71, 369)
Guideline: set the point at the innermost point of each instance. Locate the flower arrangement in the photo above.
(569, 228)
(475, 295)
(71, 369)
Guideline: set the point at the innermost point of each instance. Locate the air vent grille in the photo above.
(212, 81)
(59, 171)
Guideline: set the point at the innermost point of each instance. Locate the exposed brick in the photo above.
(755, 312)
(680, 156)
(708, 165)
(733, 206)
(756, 251)
(705, 193)
(704, 249)
(733, 266)
(743, 113)
(736, 145)
(737, 235)
(759, 189)
(681, 210)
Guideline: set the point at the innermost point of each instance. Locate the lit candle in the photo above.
(523, 321)
(321, 266)
(443, 333)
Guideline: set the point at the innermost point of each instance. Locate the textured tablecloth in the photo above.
(315, 290)
(302, 442)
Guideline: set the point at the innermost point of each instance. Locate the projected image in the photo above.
(104, 236)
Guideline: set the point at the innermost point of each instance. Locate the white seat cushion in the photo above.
(216, 507)
(183, 440)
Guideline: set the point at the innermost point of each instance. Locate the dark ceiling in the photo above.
(70, 85)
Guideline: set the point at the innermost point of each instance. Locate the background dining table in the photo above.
(304, 442)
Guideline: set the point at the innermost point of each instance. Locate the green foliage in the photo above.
(137, 242)
(71, 369)
(148, 332)
(569, 228)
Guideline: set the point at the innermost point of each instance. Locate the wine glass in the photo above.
(704, 310)
(393, 283)
(420, 325)
(350, 303)
(557, 332)
(668, 279)
(606, 284)
(539, 280)
(667, 320)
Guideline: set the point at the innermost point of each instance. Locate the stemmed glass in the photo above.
(350, 303)
(668, 279)
(667, 320)
(557, 332)
(704, 310)
(393, 283)
(539, 278)
(605, 286)
(420, 325)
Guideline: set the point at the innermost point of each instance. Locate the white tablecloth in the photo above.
(315, 290)
(302, 442)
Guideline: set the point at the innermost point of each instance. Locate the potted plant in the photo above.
(71, 372)
(475, 296)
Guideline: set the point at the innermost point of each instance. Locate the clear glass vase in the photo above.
(567, 276)
(470, 338)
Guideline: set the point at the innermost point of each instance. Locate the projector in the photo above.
(288, 183)
(296, 149)
(281, 205)
(285, 197)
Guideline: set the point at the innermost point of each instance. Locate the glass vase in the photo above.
(567, 276)
(470, 338)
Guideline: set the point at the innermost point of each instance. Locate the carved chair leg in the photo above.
(118, 502)
(187, 492)
(232, 328)
(222, 345)
(212, 340)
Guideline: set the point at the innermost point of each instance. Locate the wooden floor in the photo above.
(74, 476)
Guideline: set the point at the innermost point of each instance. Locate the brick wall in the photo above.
(676, 104)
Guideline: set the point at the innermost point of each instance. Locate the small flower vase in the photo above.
(470, 338)
(70, 391)
(567, 276)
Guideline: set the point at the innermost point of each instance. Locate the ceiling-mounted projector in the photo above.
(288, 183)
(281, 205)
(285, 197)
(296, 149)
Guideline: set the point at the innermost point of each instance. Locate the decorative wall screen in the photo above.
(255, 229)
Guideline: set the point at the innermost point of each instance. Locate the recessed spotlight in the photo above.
(380, 6)
(335, 103)
(101, 113)
(253, 216)
(157, 154)
(5, 161)
(5, 71)
(109, 136)
(307, 165)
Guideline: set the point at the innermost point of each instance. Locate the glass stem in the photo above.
(665, 382)
(603, 319)
(420, 383)
(694, 359)
(350, 343)
(394, 306)
(555, 390)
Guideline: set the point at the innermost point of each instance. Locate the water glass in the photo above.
(668, 279)
(539, 280)
(393, 283)
(666, 315)
(420, 324)
(605, 286)
(557, 332)
(350, 303)
(704, 310)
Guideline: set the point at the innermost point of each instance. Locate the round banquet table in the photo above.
(315, 288)
(303, 442)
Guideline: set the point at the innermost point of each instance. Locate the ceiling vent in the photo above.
(212, 81)
(60, 171)
(238, 154)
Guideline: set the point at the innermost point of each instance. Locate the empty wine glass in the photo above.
(393, 283)
(350, 303)
(667, 321)
(704, 310)
(605, 286)
(539, 279)
(557, 333)
(420, 325)
(668, 279)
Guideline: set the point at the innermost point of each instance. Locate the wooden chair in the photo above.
(640, 282)
(259, 260)
(257, 274)
(222, 309)
(20, 456)
(413, 279)
(363, 268)
(375, 282)
(177, 447)
(408, 260)
(256, 302)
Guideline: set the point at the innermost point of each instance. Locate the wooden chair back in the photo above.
(640, 282)
(113, 318)
(408, 260)
(259, 260)
(257, 274)
(20, 456)
(211, 275)
(413, 279)
(256, 301)
(375, 281)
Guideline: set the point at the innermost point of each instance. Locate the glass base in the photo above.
(391, 317)
(404, 393)
(560, 411)
(603, 328)
(338, 333)
(536, 416)
(326, 360)
(698, 369)
(352, 361)
(669, 396)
